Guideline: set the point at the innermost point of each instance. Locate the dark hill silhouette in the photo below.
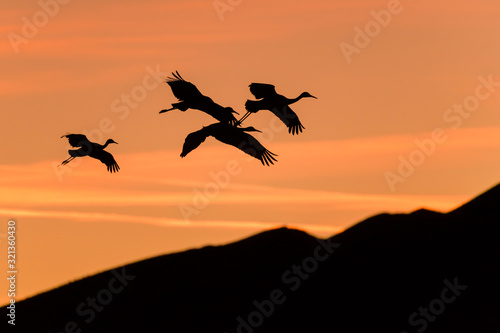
(386, 270)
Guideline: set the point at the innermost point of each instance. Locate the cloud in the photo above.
(93, 217)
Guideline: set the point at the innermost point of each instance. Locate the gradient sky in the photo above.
(413, 90)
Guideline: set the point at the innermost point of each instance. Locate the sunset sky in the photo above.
(406, 117)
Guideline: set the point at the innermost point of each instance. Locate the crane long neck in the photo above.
(293, 100)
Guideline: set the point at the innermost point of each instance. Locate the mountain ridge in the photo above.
(378, 273)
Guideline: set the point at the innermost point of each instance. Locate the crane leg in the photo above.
(66, 161)
(166, 110)
(245, 116)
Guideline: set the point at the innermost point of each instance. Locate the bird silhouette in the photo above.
(277, 104)
(231, 135)
(191, 98)
(91, 149)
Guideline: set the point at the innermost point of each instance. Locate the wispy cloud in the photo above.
(240, 194)
(93, 217)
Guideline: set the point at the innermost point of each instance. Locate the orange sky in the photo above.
(98, 69)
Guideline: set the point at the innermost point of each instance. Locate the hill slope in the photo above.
(417, 272)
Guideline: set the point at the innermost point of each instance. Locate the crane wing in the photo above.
(105, 158)
(255, 106)
(192, 141)
(84, 151)
(253, 147)
(76, 140)
(289, 118)
(183, 89)
(262, 90)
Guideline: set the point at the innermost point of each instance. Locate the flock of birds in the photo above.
(227, 130)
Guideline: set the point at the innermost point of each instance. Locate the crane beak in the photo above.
(314, 97)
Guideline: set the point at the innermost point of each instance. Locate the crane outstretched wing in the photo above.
(192, 141)
(183, 89)
(76, 140)
(107, 159)
(289, 118)
(262, 90)
(253, 147)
